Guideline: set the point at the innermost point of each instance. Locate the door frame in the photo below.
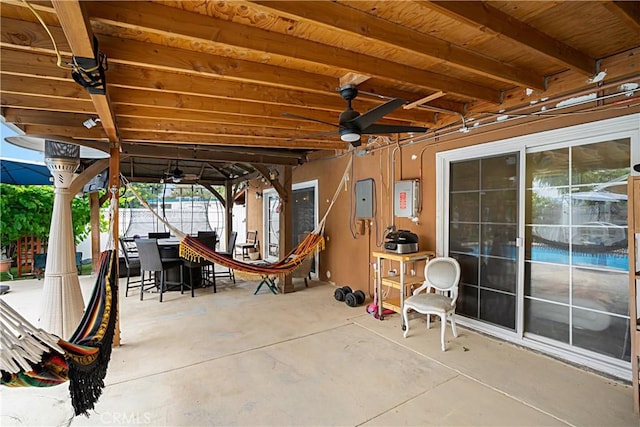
(313, 183)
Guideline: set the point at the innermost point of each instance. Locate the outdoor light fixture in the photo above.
(258, 195)
(91, 122)
(347, 135)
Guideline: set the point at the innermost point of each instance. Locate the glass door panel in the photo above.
(304, 211)
(576, 246)
(483, 203)
(304, 215)
(272, 225)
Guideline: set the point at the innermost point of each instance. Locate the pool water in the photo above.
(614, 260)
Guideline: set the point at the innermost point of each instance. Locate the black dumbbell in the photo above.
(354, 299)
(341, 293)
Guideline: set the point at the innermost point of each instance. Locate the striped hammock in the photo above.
(31, 357)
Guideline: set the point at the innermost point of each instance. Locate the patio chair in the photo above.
(160, 235)
(131, 261)
(251, 242)
(442, 274)
(152, 262)
(40, 263)
(208, 278)
(229, 254)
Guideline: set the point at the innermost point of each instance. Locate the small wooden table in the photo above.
(399, 281)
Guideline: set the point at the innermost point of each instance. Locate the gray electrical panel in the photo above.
(406, 198)
(364, 198)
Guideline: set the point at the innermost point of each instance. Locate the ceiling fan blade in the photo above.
(375, 129)
(367, 119)
(294, 116)
(314, 135)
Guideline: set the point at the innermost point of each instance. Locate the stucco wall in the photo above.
(347, 259)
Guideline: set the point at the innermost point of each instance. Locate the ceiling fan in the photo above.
(177, 175)
(351, 124)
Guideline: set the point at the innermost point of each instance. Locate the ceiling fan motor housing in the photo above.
(348, 92)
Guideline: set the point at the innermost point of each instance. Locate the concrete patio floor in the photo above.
(304, 359)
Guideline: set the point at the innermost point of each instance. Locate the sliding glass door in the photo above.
(539, 226)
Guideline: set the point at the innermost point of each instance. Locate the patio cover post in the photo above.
(114, 183)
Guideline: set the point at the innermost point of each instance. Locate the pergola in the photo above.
(229, 91)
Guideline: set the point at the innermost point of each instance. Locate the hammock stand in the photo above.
(32, 357)
(192, 250)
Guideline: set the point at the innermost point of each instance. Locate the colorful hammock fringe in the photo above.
(193, 250)
(87, 353)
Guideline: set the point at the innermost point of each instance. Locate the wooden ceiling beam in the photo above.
(482, 15)
(75, 24)
(166, 151)
(186, 139)
(135, 78)
(155, 57)
(67, 90)
(424, 100)
(234, 140)
(29, 64)
(20, 100)
(334, 15)
(200, 128)
(627, 11)
(43, 87)
(25, 62)
(206, 30)
(150, 112)
(201, 103)
(53, 118)
(95, 134)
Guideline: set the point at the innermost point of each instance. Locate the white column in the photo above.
(62, 302)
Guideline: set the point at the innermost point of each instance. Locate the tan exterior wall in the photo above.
(347, 260)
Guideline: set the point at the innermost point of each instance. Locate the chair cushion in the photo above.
(429, 303)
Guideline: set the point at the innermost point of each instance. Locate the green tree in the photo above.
(146, 191)
(25, 210)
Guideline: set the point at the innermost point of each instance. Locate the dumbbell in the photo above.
(341, 293)
(354, 299)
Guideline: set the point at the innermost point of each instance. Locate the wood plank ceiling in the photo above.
(207, 83)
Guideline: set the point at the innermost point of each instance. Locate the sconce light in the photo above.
(258, 195)
(273, 175)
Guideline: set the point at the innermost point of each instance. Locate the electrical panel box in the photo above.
(406, 198)
(364, 198)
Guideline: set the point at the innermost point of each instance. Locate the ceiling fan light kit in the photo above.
(352, 124)
(349, 136)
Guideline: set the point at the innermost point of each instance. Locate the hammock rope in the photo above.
(32, 357)
(193, 250)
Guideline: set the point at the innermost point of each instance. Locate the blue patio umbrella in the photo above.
(22, 172)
